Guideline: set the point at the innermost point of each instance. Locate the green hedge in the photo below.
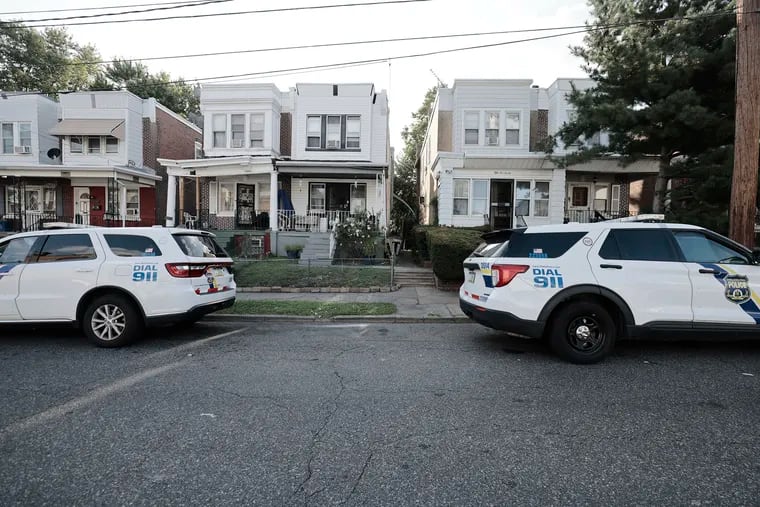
(448, 248)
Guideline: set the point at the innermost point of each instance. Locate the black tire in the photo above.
(111, 321)
(582, 332)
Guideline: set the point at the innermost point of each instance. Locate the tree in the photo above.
(405, 209)
(46, 61)
(135, 77)
(664, 87)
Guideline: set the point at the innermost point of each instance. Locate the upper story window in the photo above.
(257, 130)
(471, 130)
(75, 144)
(512, 133)
(492, 128)
(219, 129)
(93, 145)
(333, 132)
(238, 130)
(16, 137)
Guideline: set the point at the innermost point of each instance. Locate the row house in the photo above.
(483, 160)
(89, 159)
(293, 163)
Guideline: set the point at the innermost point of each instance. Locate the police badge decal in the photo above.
(737, 289)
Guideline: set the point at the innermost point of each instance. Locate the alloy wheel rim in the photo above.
(584, 334)
(108, 322)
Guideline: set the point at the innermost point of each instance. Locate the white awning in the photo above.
(73, 127)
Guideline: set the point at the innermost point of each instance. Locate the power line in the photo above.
(121, 13)
(216, 14)
(378, 41)
(104, 8)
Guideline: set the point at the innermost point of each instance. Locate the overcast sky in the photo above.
(406, 80)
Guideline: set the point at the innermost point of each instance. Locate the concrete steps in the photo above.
(417, 278)
(316, 251)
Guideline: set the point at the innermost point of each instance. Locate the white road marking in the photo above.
(106, 390)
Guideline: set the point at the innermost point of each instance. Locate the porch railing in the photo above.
(316, 220)
(287, 220)
(22, 222)
(590, 216)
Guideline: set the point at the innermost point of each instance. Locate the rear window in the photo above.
(195, 245)
(126, 245)
(543, 245)
(489, 249)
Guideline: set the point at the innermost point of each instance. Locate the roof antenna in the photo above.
(441, 84)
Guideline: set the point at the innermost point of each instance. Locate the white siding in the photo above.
(42, 113)
(299, 194)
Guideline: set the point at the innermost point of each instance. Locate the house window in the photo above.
(522, 198)
(461, 196)
(75, 144)
(226, 202)
(333, 133)
(219, 129)
(93, 144)
(238, 130)
(492, 128)
(471, 122)
(579, 197)
(33, 198)
(133, 203)
(615, 198)
(314, 132)
(198, 150)
(600, 198)
(257, 130)
(12, 201)
(112, 145)
(479, 196)
(353, 132)
(317, 195)
(358, 197)
(7, 133)
(512, 132)
(541, 199)
(25, 133)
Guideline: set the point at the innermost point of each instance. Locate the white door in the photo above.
(82, 205)
(643, 267)
(66, 268)
(13, 256)
(579, 198)
(725, 280)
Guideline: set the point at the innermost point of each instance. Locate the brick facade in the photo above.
(286, 129)
(539, 129)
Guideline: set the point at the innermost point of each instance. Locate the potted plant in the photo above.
(293, 251)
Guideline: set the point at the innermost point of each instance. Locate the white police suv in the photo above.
(582, 286)
(113, 281)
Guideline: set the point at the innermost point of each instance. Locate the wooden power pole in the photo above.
(747, 137)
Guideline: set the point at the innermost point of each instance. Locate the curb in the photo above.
(319, 290)
(339, 318)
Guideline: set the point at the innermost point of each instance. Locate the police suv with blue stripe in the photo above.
(583, 286)
(113, 282)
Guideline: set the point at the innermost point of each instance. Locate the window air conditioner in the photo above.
(22, 149)
(333, 144)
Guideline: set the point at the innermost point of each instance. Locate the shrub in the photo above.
(449, 247)
(356, 236)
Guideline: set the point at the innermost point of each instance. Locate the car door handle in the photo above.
(708, 271)
(611, 266)
(84, 270)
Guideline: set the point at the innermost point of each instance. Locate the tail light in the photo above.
(502, 274)
(186, 270)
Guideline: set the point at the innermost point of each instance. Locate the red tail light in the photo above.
(186, 270)
(502, 274)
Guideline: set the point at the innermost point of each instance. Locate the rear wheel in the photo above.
(111, 321)
(583, 332)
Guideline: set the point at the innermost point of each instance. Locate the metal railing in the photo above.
(317, 220)
(31, 221)
(590, 216)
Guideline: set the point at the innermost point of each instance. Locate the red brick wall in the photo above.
(285, 133)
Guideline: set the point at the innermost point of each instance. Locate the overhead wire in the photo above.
(123, 13)
(215, 14)
(103, 8)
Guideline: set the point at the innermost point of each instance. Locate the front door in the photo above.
(82, 205)
(579, 202)
(245, 204)
(501, 204)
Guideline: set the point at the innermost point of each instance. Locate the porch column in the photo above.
(273, 204)
(171, 199)
(123, 204)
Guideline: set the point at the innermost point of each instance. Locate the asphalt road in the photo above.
(291, 414)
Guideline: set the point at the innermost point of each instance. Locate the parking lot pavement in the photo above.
(383, 414)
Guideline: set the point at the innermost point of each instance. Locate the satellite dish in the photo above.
(53, 153)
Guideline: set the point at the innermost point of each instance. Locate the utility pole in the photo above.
(747, 137)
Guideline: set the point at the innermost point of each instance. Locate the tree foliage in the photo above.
(405, 176)
(46, 61)
(664, 86)
(135, 77)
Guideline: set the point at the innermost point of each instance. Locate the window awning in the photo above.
(73, 127)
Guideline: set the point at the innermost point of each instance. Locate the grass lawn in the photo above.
(280, 272)
(309, 308)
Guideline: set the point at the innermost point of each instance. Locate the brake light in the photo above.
(502, 274)
(186, 270)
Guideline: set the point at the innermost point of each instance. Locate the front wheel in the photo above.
(583, 333)
(111, 321)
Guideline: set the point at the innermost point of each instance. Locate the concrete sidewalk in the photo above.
(413, 304)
